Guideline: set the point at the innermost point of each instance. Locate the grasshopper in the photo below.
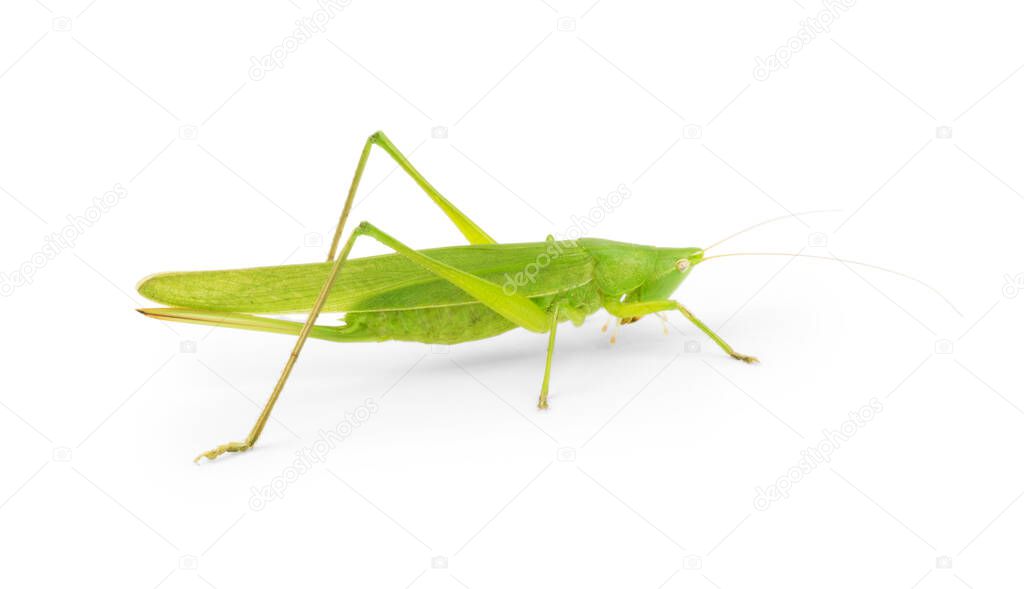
(444, 295)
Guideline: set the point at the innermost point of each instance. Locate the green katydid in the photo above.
(445, 295)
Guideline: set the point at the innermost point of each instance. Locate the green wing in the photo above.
(377, 283)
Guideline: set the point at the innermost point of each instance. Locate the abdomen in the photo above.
(453, 324)
(431, 325)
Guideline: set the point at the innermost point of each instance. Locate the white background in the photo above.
(644, 472)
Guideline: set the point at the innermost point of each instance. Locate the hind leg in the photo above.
(516, 308)
(331, 333)
(473, 233)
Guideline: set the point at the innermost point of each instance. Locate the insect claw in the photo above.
(604, 328)
(747, 359)
(223, 448)
(664, 323)
(615, 332)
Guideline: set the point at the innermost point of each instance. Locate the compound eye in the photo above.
(683, 265)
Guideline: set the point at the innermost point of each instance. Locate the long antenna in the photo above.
(783, 217)
(844, 261)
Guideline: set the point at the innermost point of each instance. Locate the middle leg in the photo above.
(542, 403)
